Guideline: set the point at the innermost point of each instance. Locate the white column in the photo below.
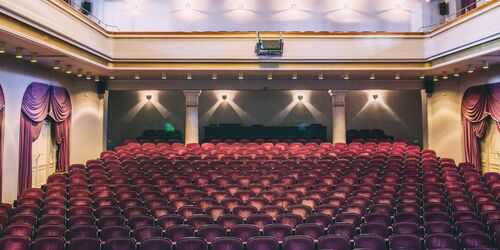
(338, 115)
(425, 118)
(191, 132)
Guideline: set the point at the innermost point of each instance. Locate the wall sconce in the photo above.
(300, 97)
(224, 97)
(148, 97)
(375, 97)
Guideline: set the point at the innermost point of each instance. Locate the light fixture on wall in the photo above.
(320, 76)
(445, 75)
(223, 97)
(189, 76)
(397, 76)
(2, 48)
(34, 57)
(422, 76)
(56, 65)
(19, 53)
(456, 72)
(375, 97)
(214, 76)
(435, 78)
(187, 6)
(80, 73)
(68, 69)
(241, 6)
(486, 65)
(293, 6)
(269, 75)
(294, 76)
(372, 76)
(97, 78)
(137, 76)
(470, 69)
(149, 97)
(300, 97)
(112, 77)
(241, 76)
(346, 76)
(164, 76)
(88, 76)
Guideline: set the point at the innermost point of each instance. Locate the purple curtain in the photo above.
(2, 108)
(477, 104)
(39, 101)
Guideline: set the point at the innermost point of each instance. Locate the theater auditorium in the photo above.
(249, 124)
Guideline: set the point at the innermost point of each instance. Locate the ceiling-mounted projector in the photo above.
(269, 47)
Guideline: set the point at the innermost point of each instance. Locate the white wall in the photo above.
(264, 15)
(86, 129)
(444, 116)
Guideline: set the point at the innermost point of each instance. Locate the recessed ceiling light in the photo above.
(56, 65)
(68, 69)
(486, 65)
(19, 52)
(34, 57)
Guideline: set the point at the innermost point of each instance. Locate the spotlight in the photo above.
(2, 48)
(300, 97)
(320, 76)
(445, 75)
(397, 76)
(189, 76)
(372, 76)
(80, 73)
(214, 76)
(88, 76)
(224, 97)
(56, 65)
(112, 77)
(137, 76)
(68, 69)
(346, 76)
(19, 52)
(270, 76)
(97, 78)
(456, 73)
(34, 57)
(435, 78)
(375, 97)
(164, 76)
(486, 65)
(148, 97)
(422, 76)
(241, 76)
(294, 75)
(470, 69)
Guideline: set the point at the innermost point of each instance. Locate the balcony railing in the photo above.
(91, 16)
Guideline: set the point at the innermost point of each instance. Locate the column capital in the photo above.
(338, 97)
(192, 97)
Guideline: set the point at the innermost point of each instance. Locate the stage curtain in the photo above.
(39, 101)
(478, 103)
